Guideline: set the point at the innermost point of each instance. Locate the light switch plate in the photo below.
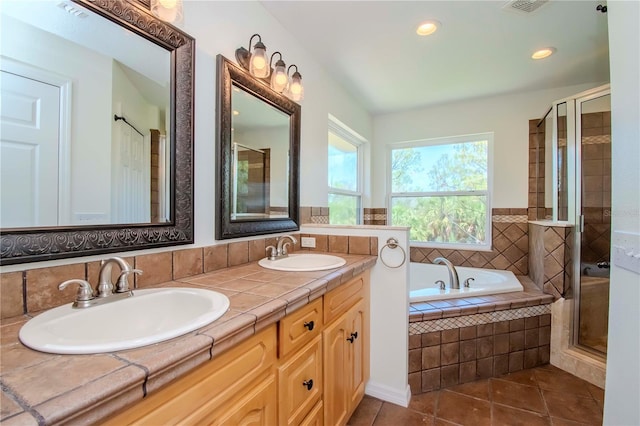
(626, 250)
(309, 242)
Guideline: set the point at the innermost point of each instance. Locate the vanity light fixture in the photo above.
(295, 91)
(279, 77)
(256, 60)
(543, 53)
(168, 10)
(256, 63)
(428, 27)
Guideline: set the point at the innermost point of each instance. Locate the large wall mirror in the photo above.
(96, 137)
(258, 143)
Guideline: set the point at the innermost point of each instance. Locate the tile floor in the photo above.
(544, 395)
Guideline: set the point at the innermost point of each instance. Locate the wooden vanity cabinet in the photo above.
(237, 387)
(309, 369)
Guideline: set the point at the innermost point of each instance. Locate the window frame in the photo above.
(450, 140)
(357, 141)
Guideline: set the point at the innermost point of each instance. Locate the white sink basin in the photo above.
(303, 262)
(148, 317)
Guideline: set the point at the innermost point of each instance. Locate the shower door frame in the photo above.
(578, 100)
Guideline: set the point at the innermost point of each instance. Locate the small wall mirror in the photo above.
(258, 143)
(96, 141)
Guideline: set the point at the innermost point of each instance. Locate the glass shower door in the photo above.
(593, 133)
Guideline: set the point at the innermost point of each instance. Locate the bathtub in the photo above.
(422, 278)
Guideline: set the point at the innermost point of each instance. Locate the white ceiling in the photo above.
(371, 47)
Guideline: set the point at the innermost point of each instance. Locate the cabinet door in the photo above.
(336, 372)
(258, 407)
(358, 352)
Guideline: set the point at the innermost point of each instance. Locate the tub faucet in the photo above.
(454, 281)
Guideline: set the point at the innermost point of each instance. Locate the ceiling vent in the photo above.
(524, 6)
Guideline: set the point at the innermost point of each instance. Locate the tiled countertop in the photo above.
(41, 388)
(433, 310)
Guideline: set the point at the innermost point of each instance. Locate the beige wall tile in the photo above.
(257, 250)
(359, 245)
(42, 286)
(11, 300)
(187, 263)
(238, 253)
(338, 244)
(215, 257)
(156, 268)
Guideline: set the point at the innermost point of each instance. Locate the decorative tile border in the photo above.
(510, 218)
(477, 319)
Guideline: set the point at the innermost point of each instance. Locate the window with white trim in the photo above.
(441, 188)
(345, 176)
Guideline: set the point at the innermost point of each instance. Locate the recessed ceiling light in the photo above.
(427, 28)
(543, 53)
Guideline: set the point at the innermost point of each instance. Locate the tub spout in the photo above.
(454, 281)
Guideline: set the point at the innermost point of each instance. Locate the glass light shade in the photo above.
(279, 78)
(168, 10)
(259, 64)
(296, 89)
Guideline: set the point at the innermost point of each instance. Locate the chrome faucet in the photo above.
(85, 297)
(280, 250)
(105, 285)
(454, 281)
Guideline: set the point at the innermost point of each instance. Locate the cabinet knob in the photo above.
(309, 325)
(353, 337)
(308, 384)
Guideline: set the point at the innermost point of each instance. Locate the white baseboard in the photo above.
(389, 394)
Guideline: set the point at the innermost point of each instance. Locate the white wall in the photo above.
(623, 365)
(222, 27)
(507, 116)
(389, 322)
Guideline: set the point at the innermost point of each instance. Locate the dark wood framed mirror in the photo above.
(21, 244)
(257, 161)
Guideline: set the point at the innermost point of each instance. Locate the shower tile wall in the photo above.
(596, 186)
(550, 257)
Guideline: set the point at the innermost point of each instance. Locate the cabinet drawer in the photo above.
(300, 327)
(300, 383)
(315, 417)
(340, 299)
(192, 398)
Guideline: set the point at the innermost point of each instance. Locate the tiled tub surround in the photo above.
(463, 340)
(40, 388)
(510, 246)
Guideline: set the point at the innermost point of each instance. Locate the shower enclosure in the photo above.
(573, 177)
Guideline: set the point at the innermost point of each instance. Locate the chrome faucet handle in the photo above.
(468, 281)
(122, 286)
(284, 249)
(85, 292)
(441, 284)
(272, 253)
